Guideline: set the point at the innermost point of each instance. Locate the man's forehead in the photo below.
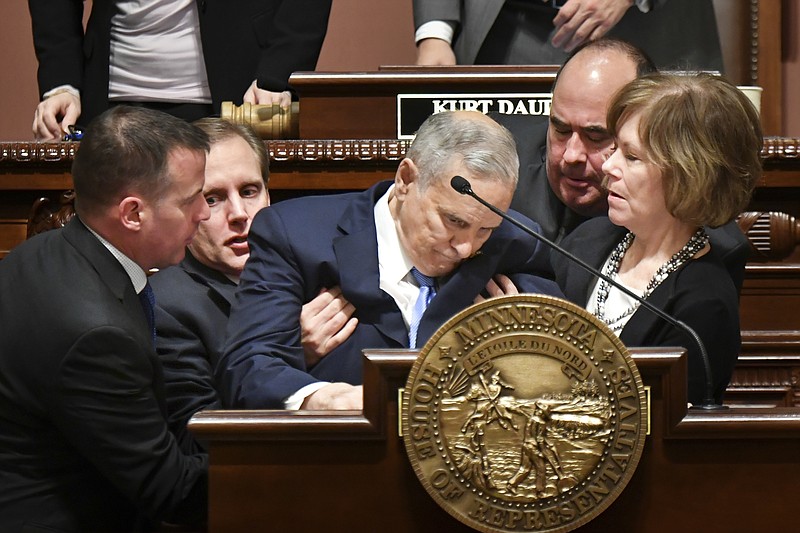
(584, 118)
(595, 75)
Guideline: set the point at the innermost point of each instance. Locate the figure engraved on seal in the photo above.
(524, 413)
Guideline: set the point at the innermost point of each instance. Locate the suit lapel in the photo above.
(356, 251)
(119, 283)
(221, 288)
(594, 248)
(643, 322)
(110, 271)
(103, 262)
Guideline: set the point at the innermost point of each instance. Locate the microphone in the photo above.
(462, 186)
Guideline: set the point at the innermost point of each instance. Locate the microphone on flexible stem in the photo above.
(462, 186)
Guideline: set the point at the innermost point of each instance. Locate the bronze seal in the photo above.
(524, 413)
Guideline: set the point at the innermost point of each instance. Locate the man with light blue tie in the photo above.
(408, 254)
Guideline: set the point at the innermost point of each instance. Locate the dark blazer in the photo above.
(193, 302)
(298, 247)
(242, 40)
(701, 294)
(84, 444)
(535, 199)
(675, 33)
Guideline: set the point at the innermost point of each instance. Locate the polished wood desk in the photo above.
(732, 470)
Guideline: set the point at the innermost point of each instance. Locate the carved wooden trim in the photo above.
(781, 148)
(337, 151)
(33, 153)
(763, 377)
(325, 151)
(768, 370)
(45, 216)
(773, 236)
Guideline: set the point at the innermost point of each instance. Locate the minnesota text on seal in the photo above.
(524, 413)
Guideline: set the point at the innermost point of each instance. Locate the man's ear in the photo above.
(131, 212)
(407, 173)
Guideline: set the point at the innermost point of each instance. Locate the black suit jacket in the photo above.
(193, 302)
(299, 246)
(242, 40)
(701, 294)
(84, 444)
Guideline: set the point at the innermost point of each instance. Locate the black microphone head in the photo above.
(461, 185)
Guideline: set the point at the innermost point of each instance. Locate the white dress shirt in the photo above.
(394, 269)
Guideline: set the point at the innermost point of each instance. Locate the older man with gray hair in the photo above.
(408, 254)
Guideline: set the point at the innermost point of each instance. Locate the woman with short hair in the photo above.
(687, 155)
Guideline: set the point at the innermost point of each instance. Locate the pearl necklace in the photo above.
(696, 243)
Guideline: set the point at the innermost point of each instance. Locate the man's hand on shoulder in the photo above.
(325, 323)
(338, 396)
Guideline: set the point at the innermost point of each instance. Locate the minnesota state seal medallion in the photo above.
(524, 413)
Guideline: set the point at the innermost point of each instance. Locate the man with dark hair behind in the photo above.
(561, 159)
(84, 445)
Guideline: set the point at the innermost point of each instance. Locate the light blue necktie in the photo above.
(427, 290)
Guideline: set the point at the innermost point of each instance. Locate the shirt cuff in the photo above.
(435, 29)
(63, 89)
(295, 401)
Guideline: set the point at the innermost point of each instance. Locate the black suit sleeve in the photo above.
(291, 38)
(58, 42)
(188, 376)
(428, 10)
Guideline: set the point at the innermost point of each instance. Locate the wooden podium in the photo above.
(729, 470)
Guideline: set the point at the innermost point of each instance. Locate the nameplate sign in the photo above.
(413, 109)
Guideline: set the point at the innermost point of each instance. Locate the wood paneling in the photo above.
(348, 471)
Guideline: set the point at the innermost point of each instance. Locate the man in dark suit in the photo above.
(194, 298)
(246, 51)
(84, 444)
(677, 34)
(374, 245)
(561, 177)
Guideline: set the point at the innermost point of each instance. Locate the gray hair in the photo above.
(485, 147)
